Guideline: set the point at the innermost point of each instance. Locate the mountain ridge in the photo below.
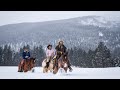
(74, 32)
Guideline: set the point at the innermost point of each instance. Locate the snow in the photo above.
(98, 21)
(100, 34)
(10, 72)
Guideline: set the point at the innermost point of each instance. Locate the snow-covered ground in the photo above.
(78, 73)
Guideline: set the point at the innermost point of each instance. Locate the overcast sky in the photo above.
(9, 17)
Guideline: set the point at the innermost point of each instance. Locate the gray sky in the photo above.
(9, 17)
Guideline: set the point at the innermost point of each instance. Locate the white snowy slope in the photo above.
(8, 72)
(97, 21)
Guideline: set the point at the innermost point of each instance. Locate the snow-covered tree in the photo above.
(102, 56)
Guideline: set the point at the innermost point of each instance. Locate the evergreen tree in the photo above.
(1, 50)
(102, 56)
(39, 54)
(9, 56)
(90, 58)
(70, 54)
(5, 50)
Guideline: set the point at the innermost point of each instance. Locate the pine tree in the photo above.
(28, 47)
(70, 54)
(39, 54)
(116, 56)
(21, 51)
(9, 56)
(90, 58)
(1, 50)
(102, 56)
(5, 55)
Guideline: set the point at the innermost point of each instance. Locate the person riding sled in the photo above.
(50, 53)
(61, 49)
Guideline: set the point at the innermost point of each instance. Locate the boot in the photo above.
(70, 69)
(20, 71)
(69, 66)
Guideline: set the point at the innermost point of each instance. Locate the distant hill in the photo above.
(84, 32)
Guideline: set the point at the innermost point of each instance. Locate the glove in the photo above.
(26, 56)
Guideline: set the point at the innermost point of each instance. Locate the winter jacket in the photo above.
(61, 48)
(50, 53)
(25, 55)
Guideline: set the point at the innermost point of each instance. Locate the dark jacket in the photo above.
(61, 48)
(24, 54)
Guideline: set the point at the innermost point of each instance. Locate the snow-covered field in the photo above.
(78, 73)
